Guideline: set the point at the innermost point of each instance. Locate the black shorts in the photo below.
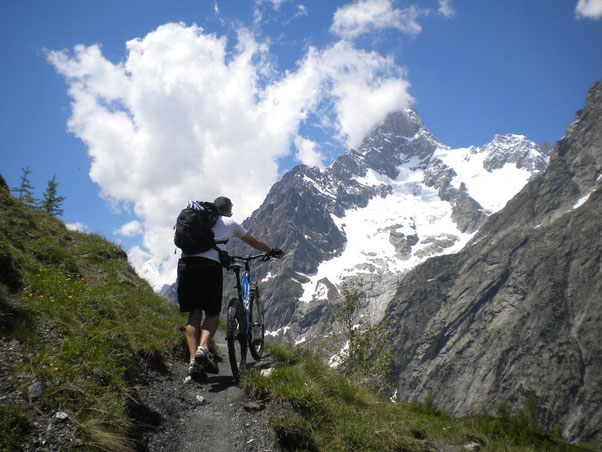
(200, 285)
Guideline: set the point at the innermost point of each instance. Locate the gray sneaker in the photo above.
(195, 369)
(205, 358)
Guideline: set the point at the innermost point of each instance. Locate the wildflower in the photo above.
(70, 296)
(31, 295)
(51, 364)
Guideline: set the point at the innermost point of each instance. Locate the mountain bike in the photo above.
(244, 324)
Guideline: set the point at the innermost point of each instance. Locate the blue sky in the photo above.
(138, 106)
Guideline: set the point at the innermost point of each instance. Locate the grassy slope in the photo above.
(88, 328)
(328, 412)
(88, 325)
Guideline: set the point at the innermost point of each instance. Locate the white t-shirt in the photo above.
(225, 229)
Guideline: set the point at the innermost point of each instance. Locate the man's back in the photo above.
(225, 229)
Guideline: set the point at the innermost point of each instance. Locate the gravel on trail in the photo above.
(211, 413)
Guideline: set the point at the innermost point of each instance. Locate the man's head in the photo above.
(224, 205)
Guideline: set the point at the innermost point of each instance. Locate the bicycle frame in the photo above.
(241, 321)
(243, 286)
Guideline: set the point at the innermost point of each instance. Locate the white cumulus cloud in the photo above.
(590, 9)
(365, 16)
(189, 115)
(366, 85)
(78, 226)
(446, 9)
(130, 229)
(308, 153)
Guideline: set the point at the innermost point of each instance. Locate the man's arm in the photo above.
(256, 243)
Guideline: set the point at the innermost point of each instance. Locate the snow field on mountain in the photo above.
(412, 209)
(491, 190)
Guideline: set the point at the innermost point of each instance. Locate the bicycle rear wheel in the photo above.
(237, 342)
(257, 325)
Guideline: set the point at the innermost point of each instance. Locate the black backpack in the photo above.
(194, 228)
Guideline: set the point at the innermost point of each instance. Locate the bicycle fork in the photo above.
(243, 297)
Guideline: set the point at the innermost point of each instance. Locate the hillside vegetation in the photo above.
(329, 412)
(79, 330)
(76, 322)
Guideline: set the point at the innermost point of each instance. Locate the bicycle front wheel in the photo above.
(257, 325)
(237, 342)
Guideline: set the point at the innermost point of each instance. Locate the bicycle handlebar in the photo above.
(264, 257)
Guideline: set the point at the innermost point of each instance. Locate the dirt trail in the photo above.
(224, 420)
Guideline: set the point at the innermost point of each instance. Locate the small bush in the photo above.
(520, 428)
(366, 357)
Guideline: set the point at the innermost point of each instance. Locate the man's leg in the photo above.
(193, 331)
(209, 328)
(212, 307)
(203, 355)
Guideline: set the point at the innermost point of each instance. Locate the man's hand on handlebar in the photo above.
(275, 252)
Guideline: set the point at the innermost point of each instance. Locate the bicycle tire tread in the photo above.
(236, 363)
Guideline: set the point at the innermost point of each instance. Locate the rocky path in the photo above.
(208, 414)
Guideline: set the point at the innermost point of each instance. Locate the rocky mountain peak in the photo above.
(516, 149)
(375, 213)
(404, 123)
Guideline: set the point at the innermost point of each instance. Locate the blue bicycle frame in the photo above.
(243, 285)
(239, 327)
(244, 288)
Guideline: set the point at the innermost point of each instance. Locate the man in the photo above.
(200, 287)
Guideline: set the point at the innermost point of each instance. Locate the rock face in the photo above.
(517, 312)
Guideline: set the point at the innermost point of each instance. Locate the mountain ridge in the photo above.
(516, 313)
(308, 213)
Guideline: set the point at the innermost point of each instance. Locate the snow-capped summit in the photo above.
(495, 172)
(378, 211)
